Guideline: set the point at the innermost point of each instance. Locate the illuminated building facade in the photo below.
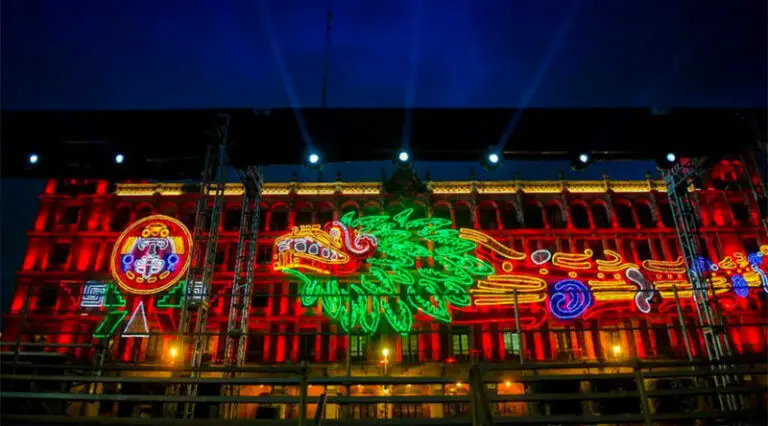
(353, 278)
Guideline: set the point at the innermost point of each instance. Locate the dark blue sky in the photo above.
(85, 54)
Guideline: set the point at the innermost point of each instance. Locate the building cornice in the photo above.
(437, 187)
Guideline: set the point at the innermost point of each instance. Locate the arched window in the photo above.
(579, 216)
(232, 219)
(555, 216)
(463, 216)
(349, 208)
(121, 219)
(600, 216)
(509, 219)
(371, 210)
(666, 215)
(487, 217)
(324, 215)
(532, 216)
(304, 216)
(168, 209)
(441, 211)
(624, 215)
(279, 219)
(645, 215)
(419, 211)
(143, 212)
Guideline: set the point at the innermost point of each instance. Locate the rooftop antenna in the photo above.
(327, 56)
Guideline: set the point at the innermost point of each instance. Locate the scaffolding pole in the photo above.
(194, 311)
(242, 283)
(679, 179)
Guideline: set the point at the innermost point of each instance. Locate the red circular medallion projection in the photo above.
(151, 255)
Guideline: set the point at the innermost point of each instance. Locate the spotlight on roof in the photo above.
(314, 160)
(403, 156)
(667, 160)
(581, 161)
(119, 158)
(33, 158)
(492, 159)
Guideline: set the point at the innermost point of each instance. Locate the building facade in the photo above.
(505, 272)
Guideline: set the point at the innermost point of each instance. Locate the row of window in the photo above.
(61, 256)
(462, 344)
(491, 216)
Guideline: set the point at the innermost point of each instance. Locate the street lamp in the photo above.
(616, 351)
(385, 353)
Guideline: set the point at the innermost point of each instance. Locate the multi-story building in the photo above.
(502, 272)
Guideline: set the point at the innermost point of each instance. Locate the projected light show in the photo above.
(369, 271)
(150, 257)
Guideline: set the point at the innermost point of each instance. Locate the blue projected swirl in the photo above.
(740, 286)
(569, 299)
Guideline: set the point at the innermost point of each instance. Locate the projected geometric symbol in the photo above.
(93, 295)
(137, 325)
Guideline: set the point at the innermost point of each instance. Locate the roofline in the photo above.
(437, 187)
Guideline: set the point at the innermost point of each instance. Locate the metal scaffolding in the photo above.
(200, 274)
(678, 180)
(242, 283)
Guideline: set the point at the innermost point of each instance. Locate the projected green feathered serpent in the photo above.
(413, 265)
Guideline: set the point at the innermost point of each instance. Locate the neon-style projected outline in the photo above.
(399, 280)
(164, 244)
(421, 265)
(569, 299)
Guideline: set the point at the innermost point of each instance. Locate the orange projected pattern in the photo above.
(607, 279)
(568, 284)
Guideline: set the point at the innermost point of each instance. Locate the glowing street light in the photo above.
(616, 350)
(33, 158)
(403, 156)
(119, 158)
(493, 158)
(584, 158)
(671, 157)
(313, 158)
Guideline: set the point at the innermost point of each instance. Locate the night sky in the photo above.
(85, 54)
(150, 54)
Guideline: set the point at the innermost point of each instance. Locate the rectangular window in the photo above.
(410, 348)
(563, 345)
(597, 249)
(663, 342)
(293, 292)
(59, 256)
(460, 341)
(154, 348)
(307, 344)
(255, 348)
(751, 246)
(47, 296)
(277, 298)
(259, 297)
(263, 253)
(643, 250)
(71, 216)
(511, 343)
(357, 347)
